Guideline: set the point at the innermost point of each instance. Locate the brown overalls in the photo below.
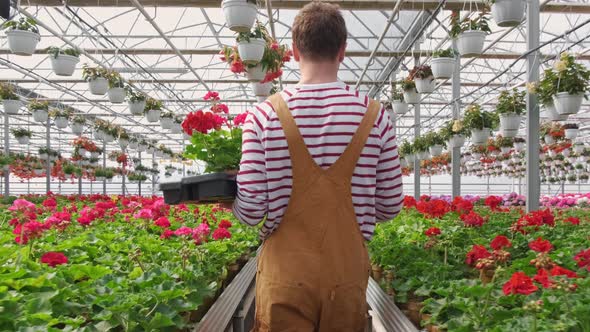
(313, 270)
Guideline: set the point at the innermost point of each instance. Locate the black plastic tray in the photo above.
(206, 188)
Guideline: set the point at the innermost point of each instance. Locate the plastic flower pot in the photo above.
(471, 42)
(239, 14)
(519, 147)
(63, 64)
(480, 137)
(159, 154)
(443, 68)
(116, 95)
(251, 52)
(98, 86)
(94, 154)
(40, 115)
(137, 107)
(141, 147)
(123, 143)
(153, 115)
(400, 107)
(166, 123)
(23, 139)
(436, 150)
(255, 74)
(11, 106)
(456, 141)
(424, 155)
(261, 89)
(43, 156)
(425, 85)
(99, 134)
(411, 96)
(61, 122)
(551, 113)
(107, 138)
(77, 128)
(566, 104)
(82, 151)
(133, 145)
(509, 124)
(549, 140)
(38, 172)
(207, 188)
(411, 158)
(505, 150)
(571, 134)
(578, 148)
(508, 13)
(22, 42)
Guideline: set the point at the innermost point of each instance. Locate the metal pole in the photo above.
(80, 185)
(416, 135)
(153, 175)
(139, 183)
(456, 151)
(533, 193)
(48, 169)
(6, 152)
(123, 177)
(104, 166)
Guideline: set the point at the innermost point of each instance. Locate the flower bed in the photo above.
(101, 263)
(478, 265)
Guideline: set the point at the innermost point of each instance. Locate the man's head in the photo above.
(319, 33)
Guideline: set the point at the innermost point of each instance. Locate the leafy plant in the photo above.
(21, 132)
(396, 94)
(56, 51)
(61, 112)
(504, 142)
(79, 119)
(572, 77)
(475, 118)
(92, 73)
(259, 32)
(480, 23)
(433, 138)
(511, 102)
(7, 92)
(454, 127)
(35, 105)
(115, 80)
(221, 150)
(167, 114)
(444, 53)
(405, 149)
(421, 72)
(408, 84)
(153, 104)
(134, 96)
(23, 24)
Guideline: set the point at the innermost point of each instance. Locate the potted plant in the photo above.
(116, 90)
(454, 133)
(63, 60)
(166, 119)
(123, 139)
(420, 148)
(23, 35)
(406, 150)
(61, 117)
(22, 135)
(584, 178)
(505, 144)
(519, 143)
(423, 78)
(77, 125)
(10, 100)
(239, 14)
(443, 63)
(251, 44)
(571, 85)
(136, 101)
(411, 95)
(470, 33)
(38, 169)
(510, 108)
(545, 91)
(97, 79)
(44, 153)
(153, 108)
(572, 178)
(435, 142)
(508, 13)
(109, 175)
(133, 143)
(571, 130)
(480, 123)
(398, 104)
(176, 125)
(39, 109)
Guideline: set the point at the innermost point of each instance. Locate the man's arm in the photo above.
(251, 204)
(388, 195)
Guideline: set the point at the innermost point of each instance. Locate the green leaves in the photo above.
(221, 150)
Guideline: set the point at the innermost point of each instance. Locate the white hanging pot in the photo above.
(505, 150)
(400, 107)
(94, 154)
(22, 42)
(552, 114)
(133, 145)
(82, 151)
(261, 89)
(98, 86)
(23, 139)
(509, 124)
(107, 138)
(40, 115)
(578, 148)
(153, 115)
(424, 155)
(549, 140)
(571, 134)
(43, 156)
(436, 150)
(141, 147)
(566, 152)
(239, 14)
(176, 128)
(150, 150)
(443, 68)
(11, 106)
(508, 13)
(136, 108)
(425, 85)
(251, 52)
(411, 158)
(411, 96)
(63, 64)
(38, 172)
(77, 128)
(99, 134)
(255, 74)
(471, 42)
(61, 122)
(566, 104)
(116, 95)
(456, 141)
(480, 137)
(123, 143)
(519, 147)
(159, 154)
(166, 123)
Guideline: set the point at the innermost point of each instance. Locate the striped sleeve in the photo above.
(251, 204)
(388, 195)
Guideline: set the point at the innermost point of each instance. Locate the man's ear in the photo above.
(342, 53)
(296, 54)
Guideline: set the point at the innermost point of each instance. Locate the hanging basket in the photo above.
(251, 52)
(551, 113)
(424, 155)
(566, 104)
(519, 147)
(436, 150)
(63, 64)
(137, 107)
(425, 85)
(133, 145)
(77, 128)
(153, 115)
(239, 14)
(509, 124)
(98, 86)
(261, 89)
(159, 153)
(411, 97)
(443, 68)
(40, 115)
(23, 140)
(571, 133)
(22, 42)
(116, 95)
(480, 137)
(505, 150)
(471, 42)
(255, 74)
(82, 151)
(508, 13)
(123, 143)
(11, 106)
(94, 154)
(61, 122)
(457, 141)
(166, 123)
(400, 107)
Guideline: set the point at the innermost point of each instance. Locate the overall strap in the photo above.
(344, 167)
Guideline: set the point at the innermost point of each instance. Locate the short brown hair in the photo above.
(319, 31)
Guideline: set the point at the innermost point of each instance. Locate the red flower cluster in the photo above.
(500, 242)
(477, 252)
(211, 95)
(573, 220)
(220, 108)
(54, 258)
(461, 205)
(221, 233)
(433, 231)
(162, 222)
(409, 202)
(224, 223)
(542, 276)
(540, 245)
(435, 208)
(201, 122)
(583, 259)
(520, 283)
(493, 202)
(240, 119)
(533, 221)
(472, 219)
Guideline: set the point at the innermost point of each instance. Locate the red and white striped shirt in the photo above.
(327, 116)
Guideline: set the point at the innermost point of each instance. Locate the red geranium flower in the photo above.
(409, 202)
(472, 219)
(221, 233)
(477, 252)
(500, 242)
(540, 245)
(573, 220)
(493, 202)
(542, 277)
(434, 208)
(560, 271)
(166, 234)
(240, 119)
(433, 231)
(162, 222)
(520, 283)
(201, 122)
(225, 223)
(54, 258)
(461, 205)
(583, 259)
